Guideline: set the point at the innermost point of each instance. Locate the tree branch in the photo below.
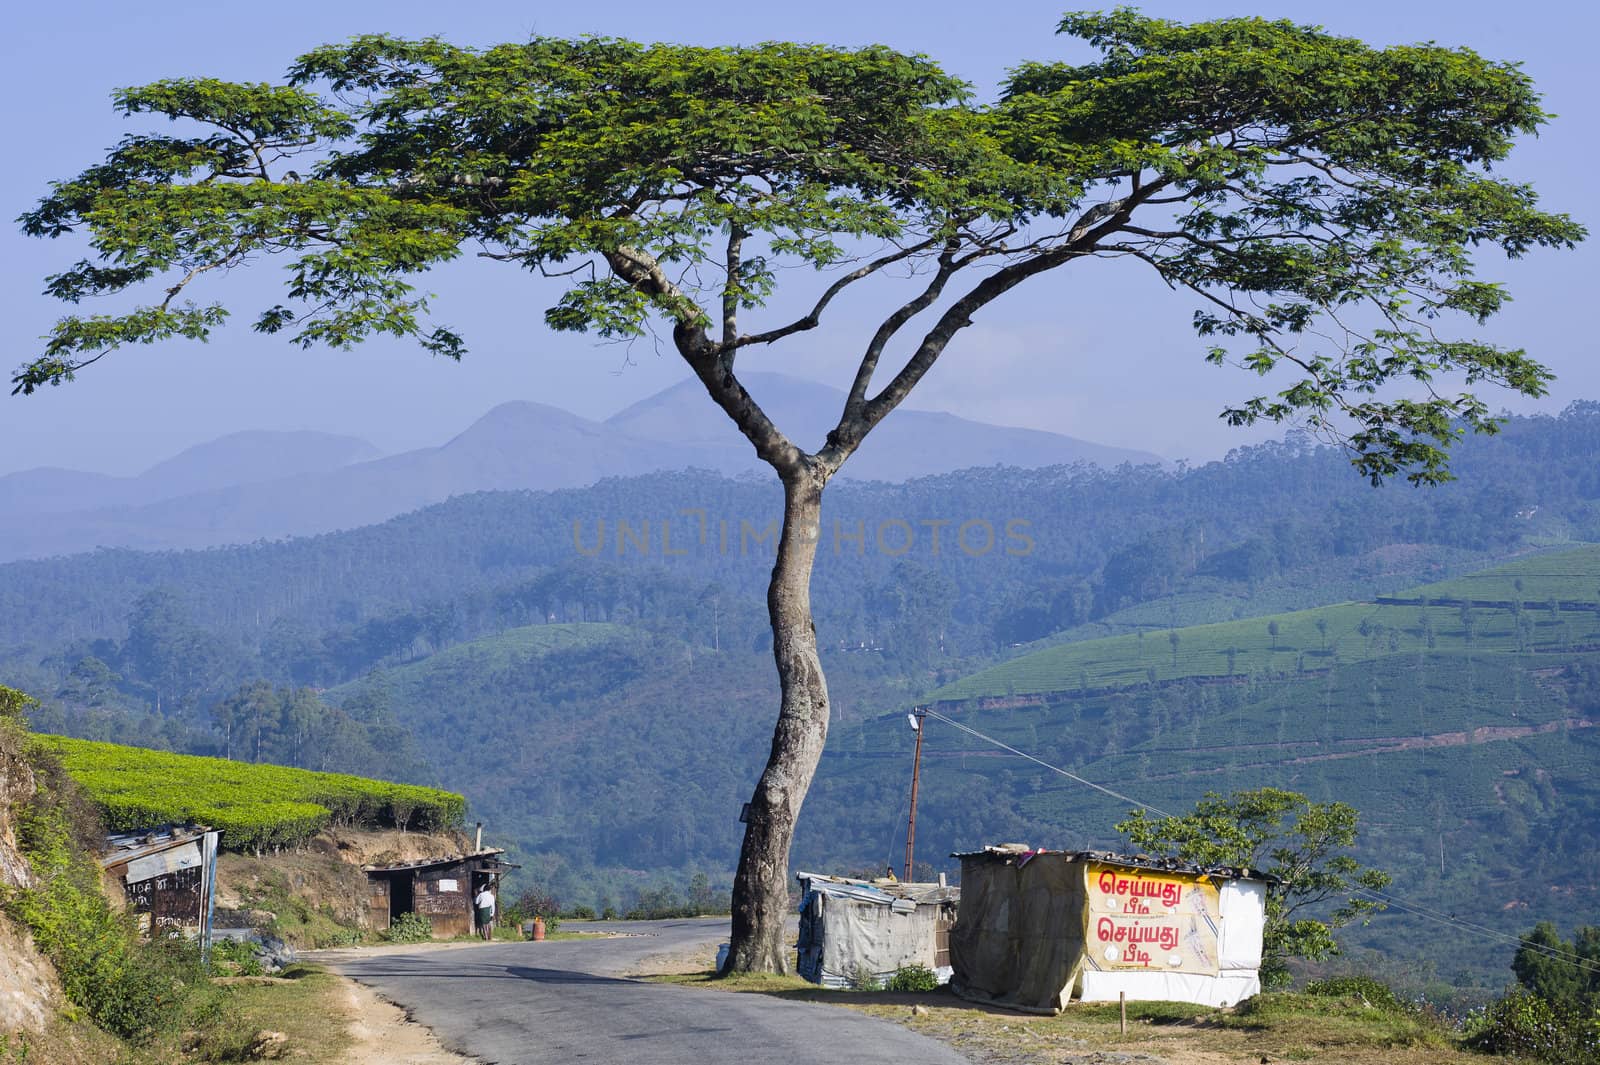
(948, 265)
(641, 270)
(862, 416)
(730, 289)
(813, 319)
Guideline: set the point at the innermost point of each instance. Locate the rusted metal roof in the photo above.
(125, 847)
(488, 855)
(1021, 852)
(880, 891)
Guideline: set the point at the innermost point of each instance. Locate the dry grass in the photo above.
(67, 1041)
(305, 1003)
(1273, 1028)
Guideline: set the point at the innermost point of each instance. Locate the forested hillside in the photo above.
(590, 668)
(1272, 527)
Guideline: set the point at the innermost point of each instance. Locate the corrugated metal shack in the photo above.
(168, 877)
(1040, 927)
(440, 889)
(850, 927)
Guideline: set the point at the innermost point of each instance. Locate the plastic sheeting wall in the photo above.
(1018, 939)
(840, 936)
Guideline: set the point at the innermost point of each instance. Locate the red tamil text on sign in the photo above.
(1166, 891)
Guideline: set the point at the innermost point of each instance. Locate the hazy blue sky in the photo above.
(1103, 353)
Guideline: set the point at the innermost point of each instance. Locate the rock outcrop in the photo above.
(28, 990)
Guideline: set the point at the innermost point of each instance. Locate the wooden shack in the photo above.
(440, 889)
(168, 877)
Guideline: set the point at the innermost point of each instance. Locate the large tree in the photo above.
(1320, 200)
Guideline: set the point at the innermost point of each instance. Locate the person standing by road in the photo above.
(484, 904)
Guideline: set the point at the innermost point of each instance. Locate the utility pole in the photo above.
(916, 717)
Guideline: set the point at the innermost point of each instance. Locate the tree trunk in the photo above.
(761, 887)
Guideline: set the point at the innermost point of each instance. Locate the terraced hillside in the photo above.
(414, 681)
(1547, 604)
(1469, 742)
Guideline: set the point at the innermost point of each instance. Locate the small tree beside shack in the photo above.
(439, 889)
(1038, 928)
(854, 929)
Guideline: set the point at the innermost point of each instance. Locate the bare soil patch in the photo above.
(382, 1034)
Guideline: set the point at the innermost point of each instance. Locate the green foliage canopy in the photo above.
(1321, 198)
(1304, 857)
(1563, 973)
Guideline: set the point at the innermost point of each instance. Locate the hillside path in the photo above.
(576, 1001)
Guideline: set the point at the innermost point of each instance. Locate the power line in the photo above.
(1054, 769)
(1450, 920)
(1385, 899)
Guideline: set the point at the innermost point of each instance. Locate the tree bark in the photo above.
(761, 886)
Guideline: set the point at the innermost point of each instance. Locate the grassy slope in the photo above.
(495, 652)
(1350, 632)
(1271, 1027)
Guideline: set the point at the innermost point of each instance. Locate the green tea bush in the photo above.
(914, 977)
(258, 808)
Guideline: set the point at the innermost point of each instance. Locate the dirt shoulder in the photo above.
(382, 1034)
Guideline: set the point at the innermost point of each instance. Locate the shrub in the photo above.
(914, 977)
(581, 913)
(864, 979)
(409, 928)
(236, 955)
(1372, 992)
(126, 987)
(1524, 1025)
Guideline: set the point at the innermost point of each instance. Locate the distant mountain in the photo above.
(238, 458)
(253, 456)
(909, 443)
(226, 491)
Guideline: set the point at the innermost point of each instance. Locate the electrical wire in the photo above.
(1040, 761)
(1452, 921)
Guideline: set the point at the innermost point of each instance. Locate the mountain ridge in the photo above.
(519, 444)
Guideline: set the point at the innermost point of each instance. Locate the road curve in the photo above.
(569, 1001)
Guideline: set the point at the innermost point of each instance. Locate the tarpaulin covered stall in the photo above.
(1038, 927)
(852, 928)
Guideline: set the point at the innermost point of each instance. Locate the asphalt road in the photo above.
(571, 1001)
